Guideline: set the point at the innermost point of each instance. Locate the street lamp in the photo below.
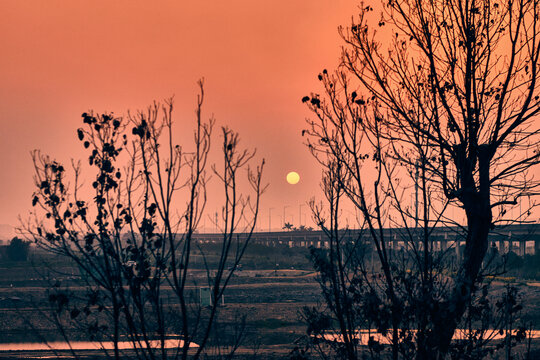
(284, 207)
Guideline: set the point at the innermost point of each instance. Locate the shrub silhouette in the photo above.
(17, 249)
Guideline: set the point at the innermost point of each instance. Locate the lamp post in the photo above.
(347, 217)
(284, 218)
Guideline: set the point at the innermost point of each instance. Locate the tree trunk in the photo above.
(453, 310)
(476, 201)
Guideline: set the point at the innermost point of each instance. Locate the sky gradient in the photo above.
(62, 58)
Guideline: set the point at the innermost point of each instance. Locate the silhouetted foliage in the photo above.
(17, 250)
(288, 226)
(526, 267)
(132, 237)
(445, 109)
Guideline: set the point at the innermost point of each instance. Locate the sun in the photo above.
(293, 178)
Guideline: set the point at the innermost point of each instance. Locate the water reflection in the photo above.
(364, 335)
(89, 345)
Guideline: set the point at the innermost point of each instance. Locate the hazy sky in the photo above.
(61, 58)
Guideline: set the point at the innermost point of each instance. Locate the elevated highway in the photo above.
(522, 239)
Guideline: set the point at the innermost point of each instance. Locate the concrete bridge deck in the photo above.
(522, 239)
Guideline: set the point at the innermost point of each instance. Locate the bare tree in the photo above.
(448, 106)
(133, 240)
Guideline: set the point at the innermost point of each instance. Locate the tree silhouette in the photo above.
(17, 250)
(446, 108)
(132, 239)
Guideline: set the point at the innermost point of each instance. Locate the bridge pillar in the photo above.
(522, 248)
(444, 245)
(536, 247)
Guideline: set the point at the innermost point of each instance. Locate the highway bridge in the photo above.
(521, 239)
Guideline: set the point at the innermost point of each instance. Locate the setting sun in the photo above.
(293, 178)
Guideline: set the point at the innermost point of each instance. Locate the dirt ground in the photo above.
(270, 300)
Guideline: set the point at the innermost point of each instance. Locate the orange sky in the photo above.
(61, 58)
